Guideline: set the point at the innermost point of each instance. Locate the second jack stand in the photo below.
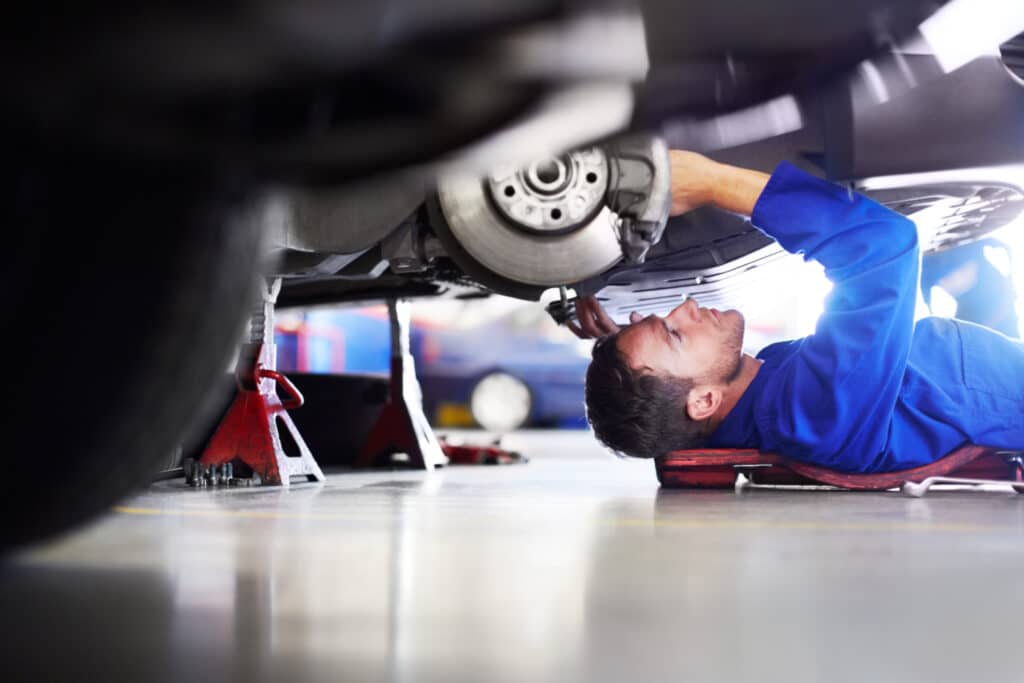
(250, 431)
(402, 427)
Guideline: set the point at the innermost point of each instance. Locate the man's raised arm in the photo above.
(696, 181)
(833, 401)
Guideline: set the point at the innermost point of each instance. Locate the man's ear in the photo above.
(703, 402)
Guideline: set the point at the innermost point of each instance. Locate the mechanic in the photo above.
(869, 391)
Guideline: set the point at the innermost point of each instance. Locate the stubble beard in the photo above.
(730, 364)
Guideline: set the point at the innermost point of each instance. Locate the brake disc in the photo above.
(546, 224)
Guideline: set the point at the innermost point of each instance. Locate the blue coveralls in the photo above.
(870, 391)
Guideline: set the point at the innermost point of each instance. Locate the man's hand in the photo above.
(594, 321)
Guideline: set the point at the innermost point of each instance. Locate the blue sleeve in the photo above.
(832, 401)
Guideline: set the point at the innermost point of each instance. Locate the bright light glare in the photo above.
(999, 258)
(965, 29)
(812, 288)
(943, 303)
(1012, 236)
(785, 306)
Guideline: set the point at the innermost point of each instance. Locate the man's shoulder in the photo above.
(778, 349)
(933, 327)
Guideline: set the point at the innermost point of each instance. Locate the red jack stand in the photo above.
(402, 427)
(250, 431)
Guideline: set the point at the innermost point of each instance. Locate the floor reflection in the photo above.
(573, 568)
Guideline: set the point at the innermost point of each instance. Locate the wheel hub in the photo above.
(562, 219)
(551, 196)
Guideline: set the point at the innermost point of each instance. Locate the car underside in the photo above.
(947, 164)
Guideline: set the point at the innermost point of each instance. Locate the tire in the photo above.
(130, 284)
(501, 402)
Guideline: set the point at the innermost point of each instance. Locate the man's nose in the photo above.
(692, 309)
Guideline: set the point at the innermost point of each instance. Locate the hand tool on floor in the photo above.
(918, 489)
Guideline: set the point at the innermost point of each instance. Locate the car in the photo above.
(167, 157)
(502, 371)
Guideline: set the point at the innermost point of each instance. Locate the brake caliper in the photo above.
(639, 191)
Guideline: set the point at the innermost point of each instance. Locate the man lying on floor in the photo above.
(869, 391)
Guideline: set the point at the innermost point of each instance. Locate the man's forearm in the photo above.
(736, 189)
(697, 181)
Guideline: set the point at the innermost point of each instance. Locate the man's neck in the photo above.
(749, 367)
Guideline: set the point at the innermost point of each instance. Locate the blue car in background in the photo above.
(502, 371)
(500, 367)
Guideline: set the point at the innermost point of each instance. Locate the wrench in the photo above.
(916, 490)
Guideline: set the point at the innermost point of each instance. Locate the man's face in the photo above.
(705, 345)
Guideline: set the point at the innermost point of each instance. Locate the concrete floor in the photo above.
(572, 568)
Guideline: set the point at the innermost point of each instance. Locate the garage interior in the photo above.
(181, 503)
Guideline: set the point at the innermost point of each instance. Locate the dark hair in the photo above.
(636, 413)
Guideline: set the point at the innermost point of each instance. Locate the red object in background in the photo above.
(301, 348)
(250, 431)
(431, 351)
(492, 454)
(717, 468)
